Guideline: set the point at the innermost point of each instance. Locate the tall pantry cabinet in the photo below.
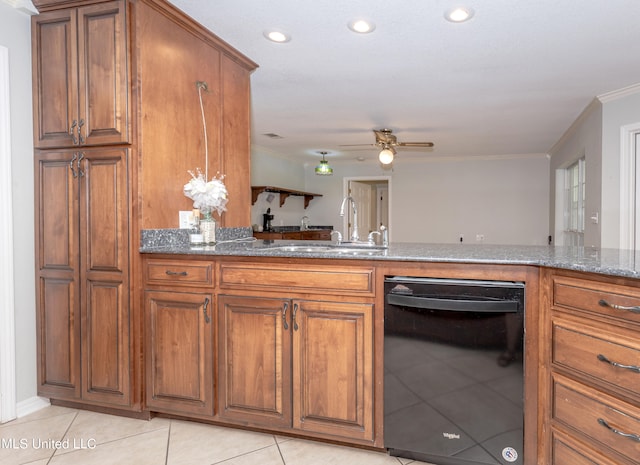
(117, 124)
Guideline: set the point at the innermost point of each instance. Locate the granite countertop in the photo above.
(239, 242)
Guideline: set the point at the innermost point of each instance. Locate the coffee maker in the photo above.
(266, 220)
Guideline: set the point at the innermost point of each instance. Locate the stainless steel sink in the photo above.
(301, 248)
(320, 249)
(357, 251)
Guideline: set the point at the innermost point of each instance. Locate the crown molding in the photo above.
(22, 5)
(620, 93)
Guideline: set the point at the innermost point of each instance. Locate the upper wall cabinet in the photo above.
(80, 70)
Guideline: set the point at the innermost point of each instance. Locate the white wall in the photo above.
(596, 135)
(16, 36)
(616, 112)
(583, 138)
(270, 170)
(504, 198)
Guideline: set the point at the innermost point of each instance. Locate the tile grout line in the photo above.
(166, 453)
(251, 452)
(279, 451)
(75, 417)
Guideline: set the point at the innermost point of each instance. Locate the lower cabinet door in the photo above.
(179, 347)
(254, 360)
(333, 368)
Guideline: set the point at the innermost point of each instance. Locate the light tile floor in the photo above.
(64, 436)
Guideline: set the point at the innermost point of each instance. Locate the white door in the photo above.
(636, 220)
(362, 194)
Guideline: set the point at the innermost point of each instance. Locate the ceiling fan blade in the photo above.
(356, 148)
(357, 145)
(414, 144)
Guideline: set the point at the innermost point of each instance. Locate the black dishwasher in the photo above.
(453, 370)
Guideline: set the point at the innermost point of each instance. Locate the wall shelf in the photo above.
(284, 193)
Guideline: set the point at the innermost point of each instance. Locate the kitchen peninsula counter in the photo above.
(612, 262)
(244, 293)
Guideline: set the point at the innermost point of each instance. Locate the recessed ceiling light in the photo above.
(277, 36)
(459, 14)
(362, 26)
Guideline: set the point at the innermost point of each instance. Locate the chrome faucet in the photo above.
(339, 239)
(354, 234)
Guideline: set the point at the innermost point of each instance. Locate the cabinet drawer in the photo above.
(566, 450)
(277, 277)
(179, 272)
(596, 416)
(593, 296)
(584, 348)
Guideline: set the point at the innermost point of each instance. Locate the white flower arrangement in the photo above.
(207, 195)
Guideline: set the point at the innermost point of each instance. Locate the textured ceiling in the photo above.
(510, 81)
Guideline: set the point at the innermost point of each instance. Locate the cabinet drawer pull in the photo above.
(80, 137)
(71, 129)
(176, 273)
(204, 310)
(633, 368)
(604, 303)
(73, 171)
(633, 437)
(295, 323)
(285, 307)
(80, 170)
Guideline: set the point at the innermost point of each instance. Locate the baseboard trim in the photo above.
(32, 405)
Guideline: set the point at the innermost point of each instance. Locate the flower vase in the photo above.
(208, 230)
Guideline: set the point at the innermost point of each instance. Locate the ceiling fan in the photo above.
(388, 142)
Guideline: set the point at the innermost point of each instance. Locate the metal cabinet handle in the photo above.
(604, 303)
(633, 437)
(73, 171)
(635, 369)
(204, 310)
(285, 307)
(295, 311)
(176, 273)
(74, 123)
(80, 170)
(80, 136)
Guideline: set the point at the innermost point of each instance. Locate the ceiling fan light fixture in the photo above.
(323, 169)
(386, 155)
(361, 26)
(459, 14)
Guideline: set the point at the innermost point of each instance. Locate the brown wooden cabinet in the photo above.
(333, 368)
(81, 75)
(255, 360)
(305, 364)
(593, 394)
(301, 360)
(179, 353)
(308, 235)
(101, 93)
(82, 256)
(179, 323)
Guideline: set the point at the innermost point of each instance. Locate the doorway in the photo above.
(630, 187)
(372, 195)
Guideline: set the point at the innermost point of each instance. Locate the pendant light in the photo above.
(323, 169)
